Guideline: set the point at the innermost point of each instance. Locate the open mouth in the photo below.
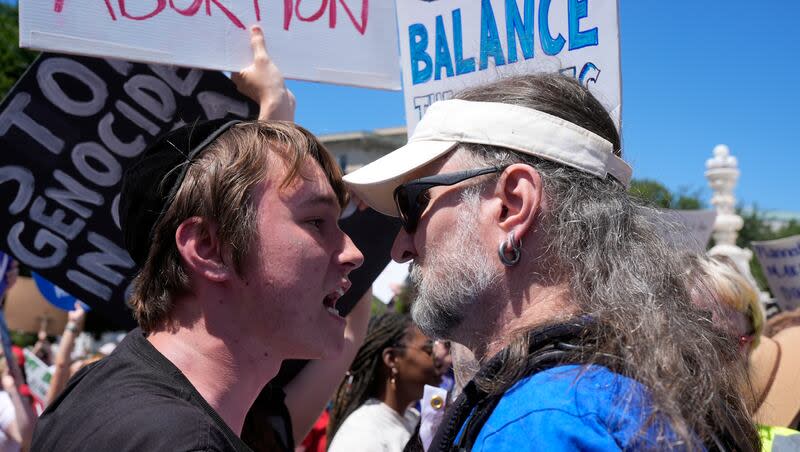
(330, 301)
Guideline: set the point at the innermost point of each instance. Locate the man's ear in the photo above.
(519, 189)
(201, 251)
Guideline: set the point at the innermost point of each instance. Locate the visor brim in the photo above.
(375, 183)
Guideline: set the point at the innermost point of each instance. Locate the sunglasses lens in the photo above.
(410, 204)
(401, 200)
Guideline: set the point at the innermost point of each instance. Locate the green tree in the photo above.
(657, 194)
(13, 60)
(651, 191)
(687, 200)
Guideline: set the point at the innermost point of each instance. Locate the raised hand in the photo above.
(263, 82)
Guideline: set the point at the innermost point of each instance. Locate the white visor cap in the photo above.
(450, 122)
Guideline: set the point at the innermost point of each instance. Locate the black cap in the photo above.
(150, 184)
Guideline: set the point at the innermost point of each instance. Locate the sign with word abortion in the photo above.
(449, 45)
(780, 260)
(68, 129)
(37, 374)
(688, 230)
(352, 42)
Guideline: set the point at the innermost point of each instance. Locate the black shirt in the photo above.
(133, 400)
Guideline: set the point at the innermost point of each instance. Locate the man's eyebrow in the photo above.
(325, 200)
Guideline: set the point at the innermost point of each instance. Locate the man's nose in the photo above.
(403, 248)
(351, 256)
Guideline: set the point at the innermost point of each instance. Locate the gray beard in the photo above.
(454, 276)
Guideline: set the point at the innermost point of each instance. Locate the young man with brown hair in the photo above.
(234, 228)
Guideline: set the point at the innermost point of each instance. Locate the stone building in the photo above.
(355, 149)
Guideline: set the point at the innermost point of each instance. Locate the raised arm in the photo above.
(263, 82)
(309, 392)
(61, 374)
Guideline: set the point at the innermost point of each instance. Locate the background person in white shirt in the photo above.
(370, 410)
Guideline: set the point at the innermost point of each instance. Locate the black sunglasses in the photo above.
(412, 197)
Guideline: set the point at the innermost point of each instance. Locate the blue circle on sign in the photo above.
(54, 294)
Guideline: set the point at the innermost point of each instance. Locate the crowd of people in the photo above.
(20, 406)
(547, 308)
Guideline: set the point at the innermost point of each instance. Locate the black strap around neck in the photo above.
(550, 347)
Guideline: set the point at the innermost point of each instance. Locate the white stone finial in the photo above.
(722, 159)
(722, 172)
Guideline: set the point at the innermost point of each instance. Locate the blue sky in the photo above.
(695, 74)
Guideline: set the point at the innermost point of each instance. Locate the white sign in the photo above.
(390, 281)
(37, 374)
(780, 260)
(351, 42)
(689, 229)
(449, 45)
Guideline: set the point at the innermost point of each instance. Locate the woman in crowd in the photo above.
(371, 407)
(773, 364)
(717, 287)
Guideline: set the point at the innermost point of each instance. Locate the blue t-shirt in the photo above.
(572, 408)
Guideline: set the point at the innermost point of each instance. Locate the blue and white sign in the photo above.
(449, 45)
(780, 260)
(55, 295)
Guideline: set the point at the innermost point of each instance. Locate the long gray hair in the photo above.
(603, 243)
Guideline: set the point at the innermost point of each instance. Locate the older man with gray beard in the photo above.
(528, 250)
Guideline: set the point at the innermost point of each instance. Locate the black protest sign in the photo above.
(68, 129)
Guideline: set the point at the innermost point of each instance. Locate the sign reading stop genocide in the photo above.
(68, 129)
(352, 42)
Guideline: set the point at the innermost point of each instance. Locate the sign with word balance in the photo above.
(449, 45)
(351, 42)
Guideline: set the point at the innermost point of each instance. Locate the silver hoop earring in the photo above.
(510, 245)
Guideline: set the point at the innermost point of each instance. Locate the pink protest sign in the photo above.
(351, 42)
